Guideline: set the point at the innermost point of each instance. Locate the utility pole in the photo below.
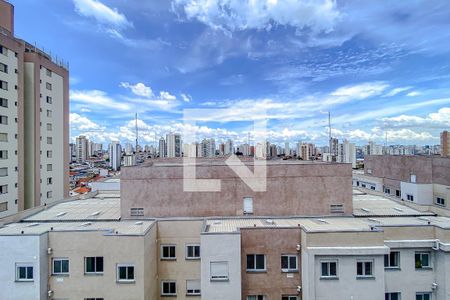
(329, 133)
(137, 134)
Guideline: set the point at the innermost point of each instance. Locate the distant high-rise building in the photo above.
(129, 149)
(334, 148)
(162, 147)
(287, 150)
(34, 122)
(208, 148)
(173, 144)
(82, 145)
(445, 144)
(115, 155)
(228, 149)
(373, 149)
(245, 149)
(347, 153)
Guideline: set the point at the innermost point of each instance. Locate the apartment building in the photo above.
(82, 148)
(157, 190)
(173, 141)
(34, 107)
(421, 180)
(445, 144)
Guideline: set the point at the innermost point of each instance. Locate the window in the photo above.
(60, 266)
(397, 193)
(49, 113)
(372, 187)
(364, 269)
(219, 271)
(256, 262)
(49, 194)
(423, 296)
(3, 50)
(49, 72)
(256, 297)
(49, 167)
(93, 265)
(192, 251)
(49, 140)
(387, 190)
(4, 189)
(392, 296)
(49, 180)
(93, 299)
(363, 185)
(192, 287)
(413, 178)
(289, 297)
(3, 172)
(329, 269)
(49, 100)
(3, 68)
(49, 154)
(440, 201)
(48, 85)
(392, 260)
(3, 137)
(3, 85)
(168, 252)
(409, 197)
(49, 126)
(3, 120)
(168, 288)
(422, 260)
(248, 205)
(3, 206)
(3, 154)
(289, 263)
(125, 273)
(24, 272)
(3, 102)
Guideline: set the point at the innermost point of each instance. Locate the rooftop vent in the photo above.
(398, 209)
(365, 209)
(61, 214)
(217, 222)
(321, 221)
(95, 213)
(33, 225)
(373, 220)
(270, 221)
(139, 223)
(86, 224)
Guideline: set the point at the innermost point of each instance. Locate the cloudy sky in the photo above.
(377, 67)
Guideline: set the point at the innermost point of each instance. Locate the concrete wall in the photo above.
(292, 189)
(7, 16)
(221, 248)
(422, 193)
(273, 283)
(178, 233)
(23, 249)
(115, 250)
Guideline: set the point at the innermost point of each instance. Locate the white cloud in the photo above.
(396, 91)
(361, 91)
(138, 89)
(97, 98)
(79, 122)
(318, 16)
(414, 94)
(186, 97)
(102, 13)
(439, 119)
(163, 95)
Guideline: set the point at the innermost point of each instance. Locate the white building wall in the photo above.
(11, 129)
(422, 193)
(442, 191)
(219, 248)
(23, 249)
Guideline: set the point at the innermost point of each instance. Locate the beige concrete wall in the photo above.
(7, 16)
(115, 250)
(178, 233)
(409, 233)
(292, 189)
(273, 283)
(343, 239)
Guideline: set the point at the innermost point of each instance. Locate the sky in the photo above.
(380, 68)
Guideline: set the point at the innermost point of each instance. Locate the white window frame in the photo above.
(256, 297)
(26, 266)
(162, 252)
(388, 266)
(289, 297)
(389, 295)
(421, 253)
(169, 282)
(193, 292)
(95, 265)
(187, 252)
(224, 277)
(60, 259)
(364, 262)
(439, 200)
(410, 197)
(425, 294)
(328, 262)
(254, 269)
(289, 270)
(118, 266)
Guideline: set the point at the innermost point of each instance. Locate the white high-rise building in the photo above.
(373, 149)
(228, 147)
(115, 155)
(208, 148)
(173, 141)
(162, 147)
(128, 149)
(287, 150)
(82, 149)
(347, 153)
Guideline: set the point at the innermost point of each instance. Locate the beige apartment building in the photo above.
(445, 144)
(34, 108)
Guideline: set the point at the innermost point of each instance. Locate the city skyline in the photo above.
(261, 58)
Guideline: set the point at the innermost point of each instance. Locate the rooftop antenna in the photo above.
(329, 132)
(137, 133)
(385, 142)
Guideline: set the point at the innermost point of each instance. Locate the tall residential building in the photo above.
(34, 107)
(115, 155)
(373, 149)
(334, 148)
(173, 141)
(228, 149)
(445, 144)
(208, 147)
(162, 147)
(347, 153)
(129, 149)
(287, 150)
(82, 148)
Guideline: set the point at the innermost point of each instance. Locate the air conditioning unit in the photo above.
(49, 251)
(50, 293)
(299, 289)
(435, 245)
(434, 286)
(299, 247)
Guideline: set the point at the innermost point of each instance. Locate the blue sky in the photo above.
(377, 66)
